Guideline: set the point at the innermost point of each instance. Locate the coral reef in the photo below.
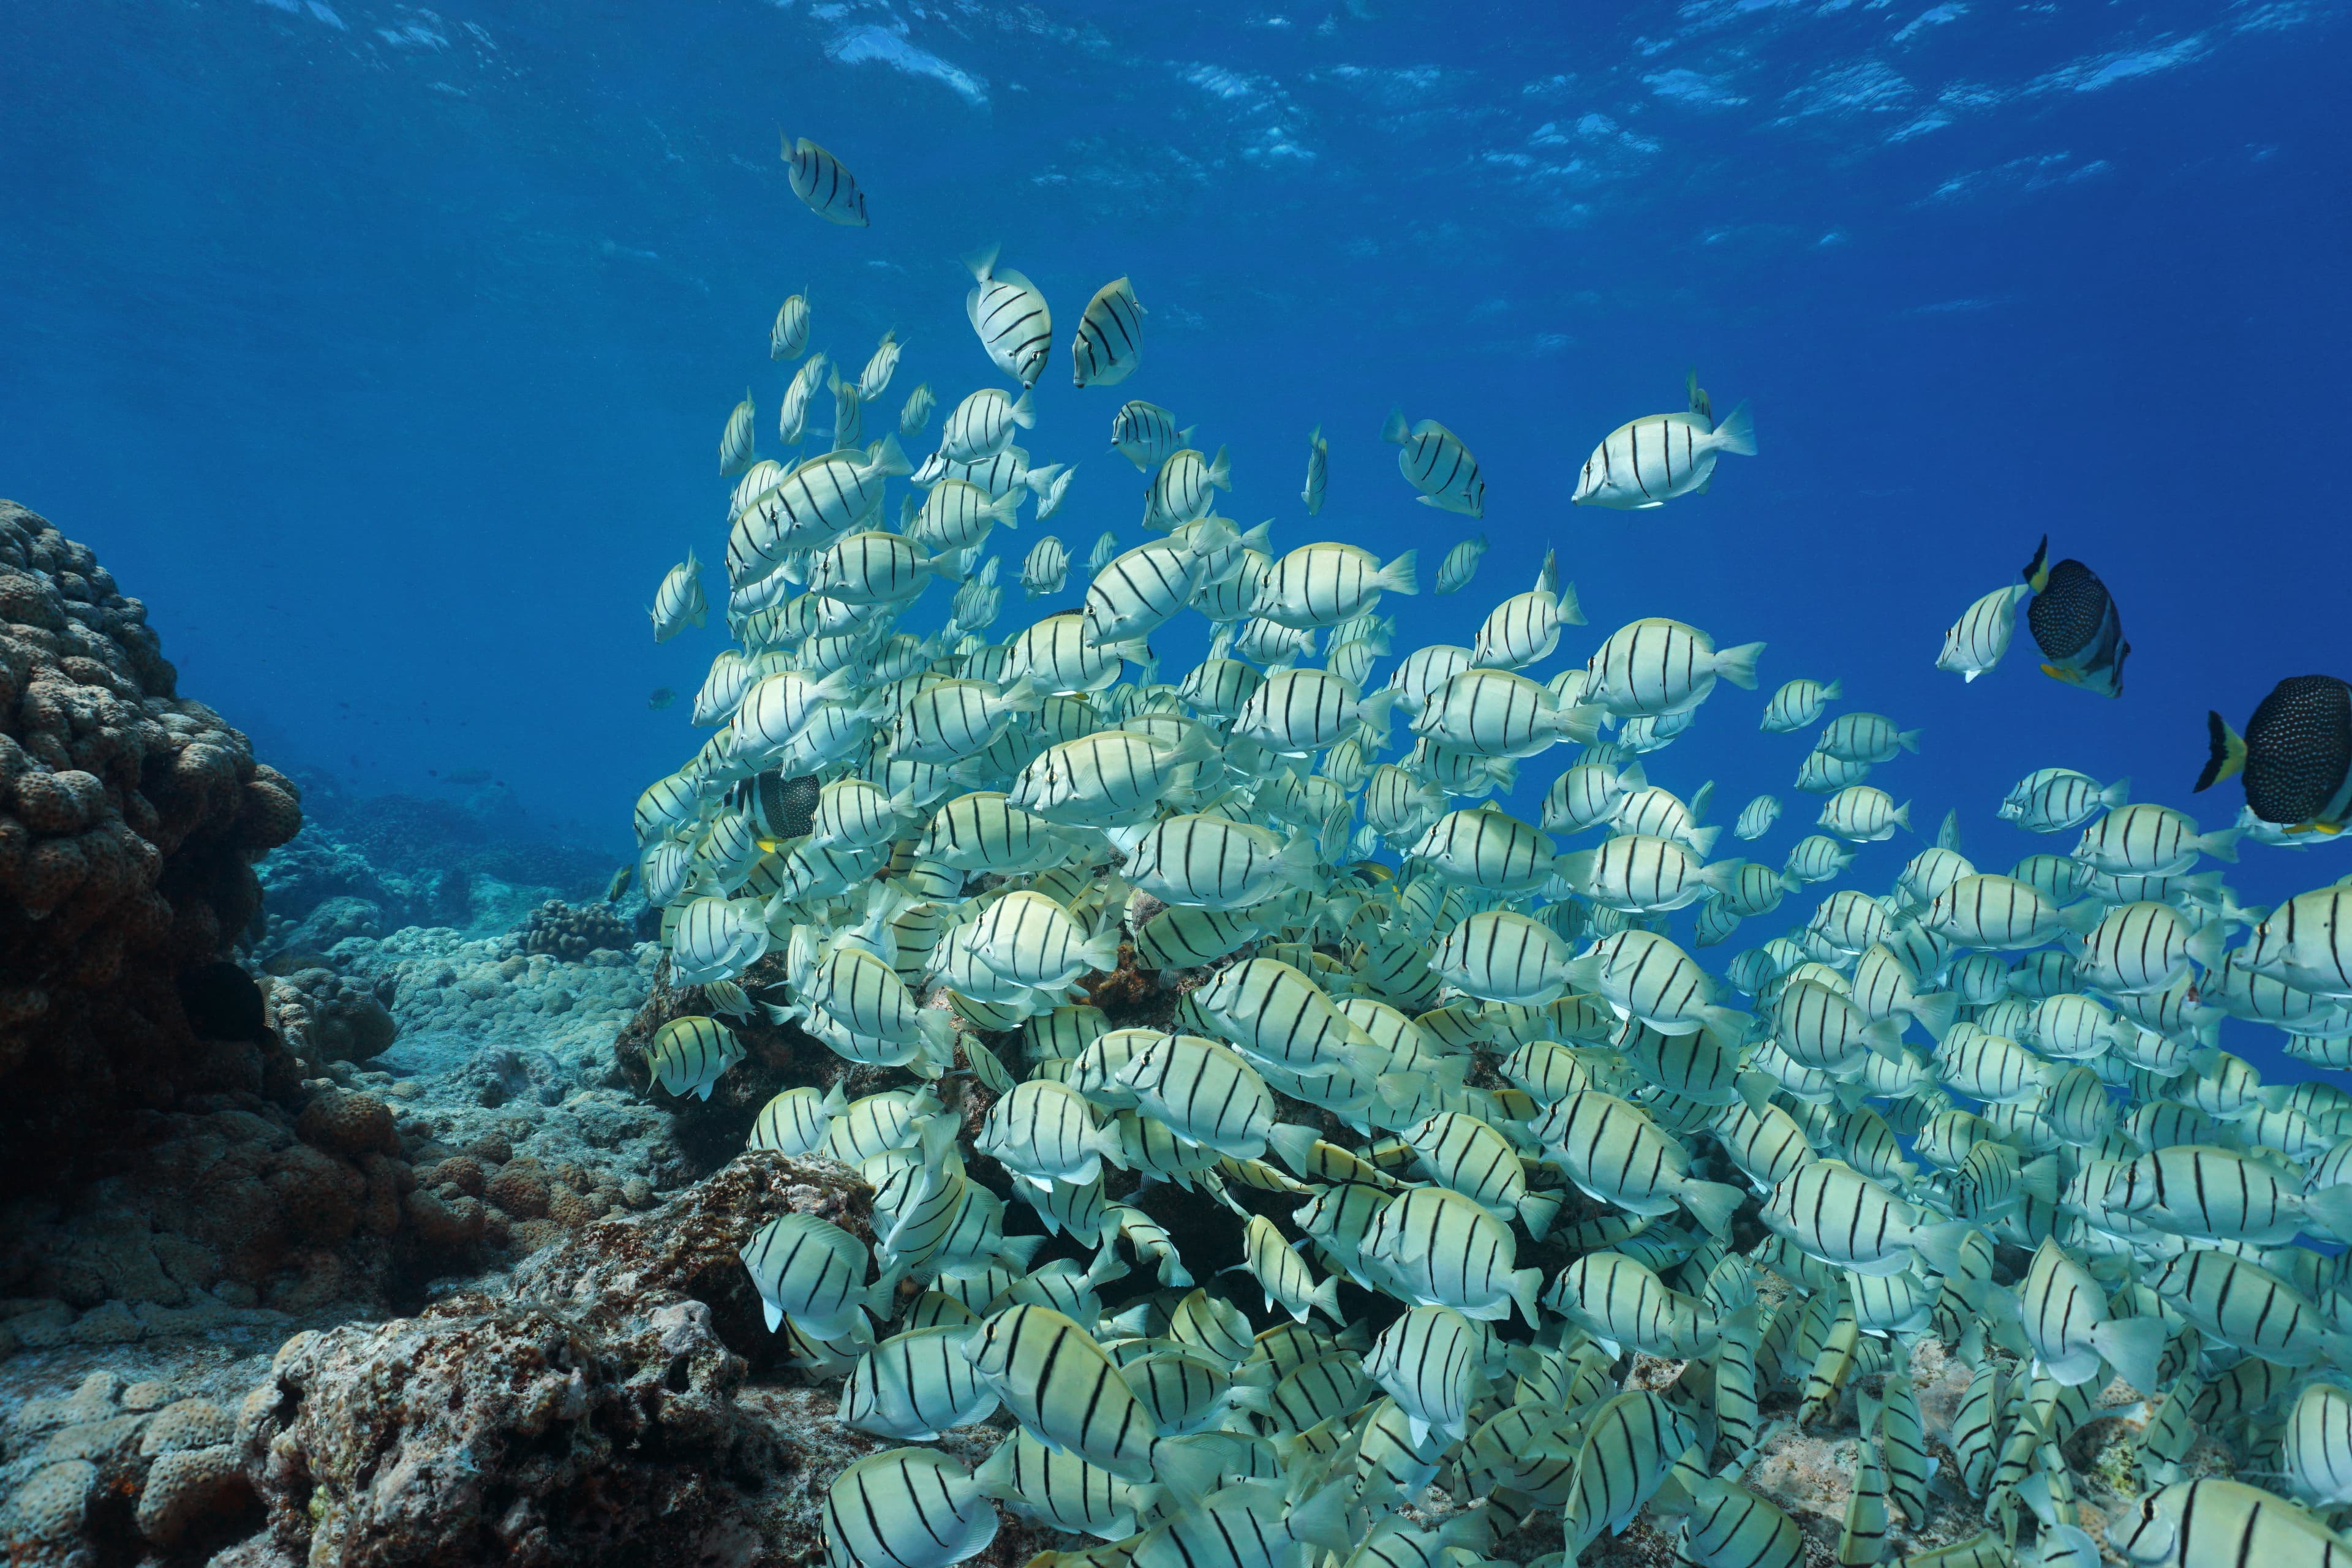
(325, 1017)
(130, 820)
(417, 863)
(444, 984)
(558, 929)
(119, 1469)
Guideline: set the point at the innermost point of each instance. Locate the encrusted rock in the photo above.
(461, 1171)
(519, 1188)
(586, 1414)
(348, 1124)
(566, 1207)
(445, 1223)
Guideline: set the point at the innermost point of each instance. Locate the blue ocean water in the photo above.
(384, 350)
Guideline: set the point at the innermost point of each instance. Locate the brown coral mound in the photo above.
(573, 931)
(588, 1414)
(130, 820)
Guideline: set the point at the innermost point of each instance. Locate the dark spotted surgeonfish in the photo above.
(2075, 625)
(2296, 754)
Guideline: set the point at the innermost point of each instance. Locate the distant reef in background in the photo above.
(420, 862)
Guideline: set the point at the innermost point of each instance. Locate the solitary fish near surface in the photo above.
(826, 187)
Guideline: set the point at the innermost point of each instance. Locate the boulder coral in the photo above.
(574, 931)
(113, 1473)
(131, 818)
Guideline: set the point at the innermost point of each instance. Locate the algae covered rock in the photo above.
(589, 1412)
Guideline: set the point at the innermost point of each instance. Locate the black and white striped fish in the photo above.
(689, 1055)
(1649, 461)
(735, 452)
(1318, 462)
(914, 1385)
(1058, 1383)
(1061, 1491)
(1436, 463)
(1659, 666)
(908, 1508)
(1975, 643)
(788, 338)
(1461, 565)
(1010, 314)
(1146, 434)
(1108, 343)
(2219, 1523)
(827, 188)
(1629, 1446)
(916, 411)
(791, 410)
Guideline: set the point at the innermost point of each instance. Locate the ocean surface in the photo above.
(384, 351)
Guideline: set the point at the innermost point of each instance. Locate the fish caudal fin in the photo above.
(1569, 612)
(2332, 1207)
(1220, 471)
(1525, 1283)
(1936, 1012)
(887, 456)
(2226, 755)
(1712, 1204)
(1738, 664)
(2134, 1346)
(1393, 431)
(1295, 1143)
(1102, 952)
(1736, 434)
(1403, 575)
(1323, 1519)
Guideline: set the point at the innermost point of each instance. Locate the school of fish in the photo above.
(1979, 1107)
